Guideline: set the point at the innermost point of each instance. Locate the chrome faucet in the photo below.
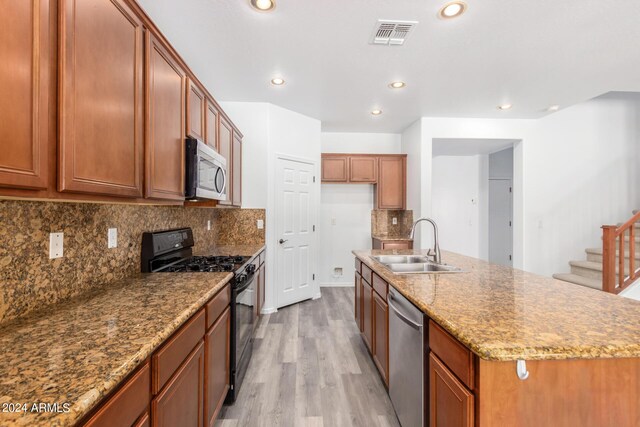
(435, 252)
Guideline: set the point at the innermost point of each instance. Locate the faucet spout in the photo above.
(436, 246)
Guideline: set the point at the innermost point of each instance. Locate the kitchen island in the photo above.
(580, 347)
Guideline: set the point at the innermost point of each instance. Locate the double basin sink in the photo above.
(414, 264)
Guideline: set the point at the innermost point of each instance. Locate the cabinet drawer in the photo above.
(127, 404)
(218, 304)
(396, 245)
(358, 266)
(171, 355)
(366, 274)
(380, 286)
(457, 357)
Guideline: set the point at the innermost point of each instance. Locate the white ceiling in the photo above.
(531, 53)
(469, 146)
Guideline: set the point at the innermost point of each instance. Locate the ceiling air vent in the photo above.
(392, 33)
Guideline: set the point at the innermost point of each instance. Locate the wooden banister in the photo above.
(613, 236)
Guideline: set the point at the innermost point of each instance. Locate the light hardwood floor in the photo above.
(310, 368)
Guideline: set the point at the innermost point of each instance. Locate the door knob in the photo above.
(281, 241)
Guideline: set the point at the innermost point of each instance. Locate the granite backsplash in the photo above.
(29, 280)
(382, 223)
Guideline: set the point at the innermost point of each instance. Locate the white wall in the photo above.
(501, 164)
(459, 203)
(345, 209)
(574, 171)
(270, 131)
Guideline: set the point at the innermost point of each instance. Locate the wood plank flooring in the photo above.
(310, 368)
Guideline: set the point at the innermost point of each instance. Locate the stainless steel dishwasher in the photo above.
(406, 360)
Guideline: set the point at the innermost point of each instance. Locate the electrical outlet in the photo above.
(260, 224)
(337, 272)
(209, 225)
(394, 221)
(56, 245)
(112, 237)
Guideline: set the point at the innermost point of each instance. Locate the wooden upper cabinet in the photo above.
(226, 148)
(392, 182)
(101, 108)
(236, 171)
(196, 107)
(212, 116)
(363, 169)
(165, 123)
(335, 168)
(25, 34)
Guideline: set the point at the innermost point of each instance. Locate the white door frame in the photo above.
(273, 234)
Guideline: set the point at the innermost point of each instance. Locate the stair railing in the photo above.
(612, 237)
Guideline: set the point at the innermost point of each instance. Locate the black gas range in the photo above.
(171, 251)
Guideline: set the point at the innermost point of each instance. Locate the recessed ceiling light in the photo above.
(504, 106)
(376, 112)
(397, 85)
(453, 9)
(263, 5)
(277, 81)
(553, 108)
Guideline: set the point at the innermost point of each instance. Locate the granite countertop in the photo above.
(77, 352)
(503, 314)
(401, 238)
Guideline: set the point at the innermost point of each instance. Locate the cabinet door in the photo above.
(367, 315)
(381, 336)
(363, 169)
(236, 171)
(25, 34)
(357, 300)
(391, 192)
(451, 404)
(164, 165)
(196, 106)
(101, 98)
(181, 401)
(217, 344)
(226, 147)
(361, 285)
(211, 125)
(335, 168)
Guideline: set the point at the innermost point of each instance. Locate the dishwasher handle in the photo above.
(402, 317)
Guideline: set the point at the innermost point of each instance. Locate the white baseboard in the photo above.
(337, 285)
(269, 310)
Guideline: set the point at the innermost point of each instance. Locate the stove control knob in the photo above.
(251, 268)
(242, 278)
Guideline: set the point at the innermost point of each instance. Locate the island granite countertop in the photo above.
(79, 351)
(505, 314)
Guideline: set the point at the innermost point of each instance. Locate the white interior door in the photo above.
(500, 222)
(295, 218)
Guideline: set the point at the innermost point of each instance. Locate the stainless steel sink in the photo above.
(401, 259)
(414, 264)
(427, 267)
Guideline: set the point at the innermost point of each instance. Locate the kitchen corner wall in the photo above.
(29, 280)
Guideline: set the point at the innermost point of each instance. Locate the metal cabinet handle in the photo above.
(281, 241)
(521, 370)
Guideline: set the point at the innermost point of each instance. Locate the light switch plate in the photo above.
(260, 224)
(113, 238)
(56, 245)
(209, 225)
(394, 221)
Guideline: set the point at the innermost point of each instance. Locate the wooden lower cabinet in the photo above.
(217, 373)
(381, 336)
(450, 403)
(180, 403)
(144, 421)
(367, 315)
(391, 244)
(357, 299)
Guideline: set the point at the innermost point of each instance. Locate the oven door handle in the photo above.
(244, 287)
